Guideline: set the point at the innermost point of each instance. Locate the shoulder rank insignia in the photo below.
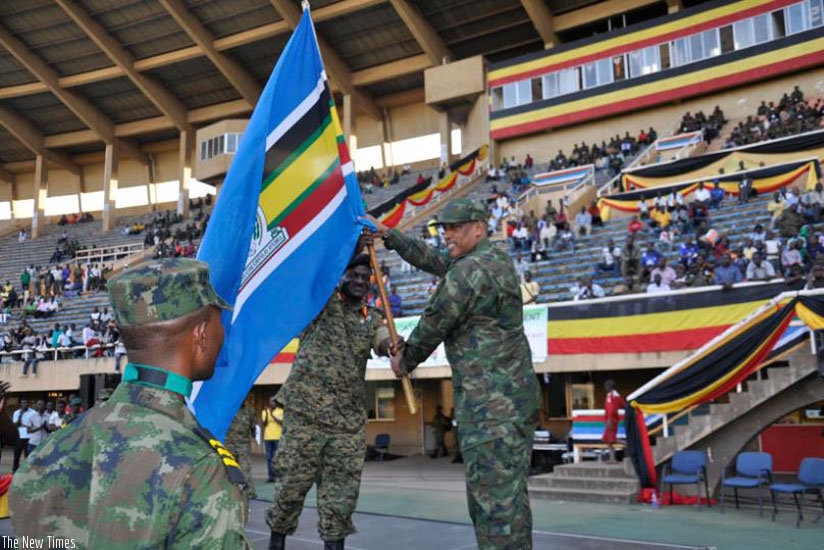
(229, 461)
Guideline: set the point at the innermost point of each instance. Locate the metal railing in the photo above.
(107, 253)
(54, 352)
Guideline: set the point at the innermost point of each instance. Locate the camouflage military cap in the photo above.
(463, 210)
(162, 290)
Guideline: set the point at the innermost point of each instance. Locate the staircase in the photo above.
(587, 482)
(727, 427)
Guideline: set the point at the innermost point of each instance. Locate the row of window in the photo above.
(220, 145)
(689, 49)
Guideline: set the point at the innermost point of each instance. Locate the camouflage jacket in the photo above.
(477, 312)
(326, 383)
(131, 473)
(242, 429)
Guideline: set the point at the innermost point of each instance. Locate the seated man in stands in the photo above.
(587, 290)
(634, 226)
(759, 270)
(688, 251)
(791, 256)
(529, 289)
(811, 204)
(716, 195)
(727, 273)
(701, 196)
(595, 213)
(790, 222)
(565, 239)
(649, 260)
(611, 255)
(583, 222)
(657, 286)
(664, 271)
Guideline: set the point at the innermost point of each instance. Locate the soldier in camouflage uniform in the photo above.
(239, 442)
(477, 312)
(139, 471)
(323, 438)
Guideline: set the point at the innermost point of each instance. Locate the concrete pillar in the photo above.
(445, 129)
(185, 171)
(41, 191)
(110, 184)
(386, 146)
(349, 130)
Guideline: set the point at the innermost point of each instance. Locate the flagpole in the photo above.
(390, 321)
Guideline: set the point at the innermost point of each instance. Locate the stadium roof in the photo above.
(77, 73)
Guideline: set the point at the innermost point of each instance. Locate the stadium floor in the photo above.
(419, 503)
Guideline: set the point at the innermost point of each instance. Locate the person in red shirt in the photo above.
(613, 405)
(634, 226)
(561, 219)
(595, 212)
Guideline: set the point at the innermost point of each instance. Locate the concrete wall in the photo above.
(736, 104)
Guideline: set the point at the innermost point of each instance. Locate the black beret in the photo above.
(360, 259)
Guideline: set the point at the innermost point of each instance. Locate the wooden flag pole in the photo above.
(390, 322)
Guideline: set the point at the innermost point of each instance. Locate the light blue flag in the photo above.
(284, 226)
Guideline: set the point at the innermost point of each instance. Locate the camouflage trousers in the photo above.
(496, 489)
(310, 454)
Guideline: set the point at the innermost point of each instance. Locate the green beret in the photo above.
(161, 290)
(463, 210)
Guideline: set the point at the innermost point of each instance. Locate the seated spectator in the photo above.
(529, 289)
(758, 234)
(521, 266)
(547, 235)
(528, 161)
(775, 208)
(790, 222)
(791, 256)
(716, 195)
(771, 249)
(701, 196)
(681, 277)
(688, 251)
(698, 213)
(433, 286)
(588, 290)
(643, 210)
(634, 226)
(420, 179)
(561, 219)
(520, 239)
(21, 236)
(583, 222)
(727, 274)
(649, 260)
(566, 239)
(595, 214)
(538, 251)
(656, 286)
(760, 270)
(665, 239)
(665, 272)
(610, 255)
(659, 218)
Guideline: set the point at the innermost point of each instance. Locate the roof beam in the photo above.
(28, 135)
(423, 32)
(8, 177)
(83, 109)
(334, 65)
(162, 98)
(233, 71)
(542, 18)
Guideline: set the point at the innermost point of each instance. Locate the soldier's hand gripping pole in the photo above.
(390, 322)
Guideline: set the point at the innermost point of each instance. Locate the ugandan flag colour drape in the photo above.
(715, 371)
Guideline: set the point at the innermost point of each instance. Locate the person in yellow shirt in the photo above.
(272, 419)
(775, 208)
(661, 217)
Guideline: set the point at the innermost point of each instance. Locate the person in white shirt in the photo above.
(664, 272)
(702, 195)
(583, 222)
(88, 334)
(36, 425)
(547, 235)
(611, 255)
(20, 420)
(589, 290)
(656, 286)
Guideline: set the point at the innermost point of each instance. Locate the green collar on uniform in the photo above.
(157, 378)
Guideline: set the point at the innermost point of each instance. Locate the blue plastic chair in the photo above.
(382, 445)
(687, 467)
(751, 470)
(810, 480)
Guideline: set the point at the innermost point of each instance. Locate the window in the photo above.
(582, 396)
(644, 61)
(380, 400)
(816, 15)
(797, 18)
(598, 73)
(498, 98)
(517, 93)
(696, 47)
(568, 81)
(619, 68)
(203, 150)
(753, 31)
(231, 143)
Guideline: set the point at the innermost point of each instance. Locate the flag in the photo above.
(283, 228)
